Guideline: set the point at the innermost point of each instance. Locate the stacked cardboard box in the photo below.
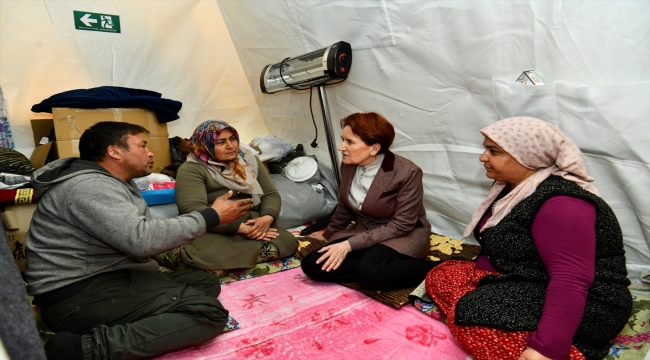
(69, 124)
(16, 219)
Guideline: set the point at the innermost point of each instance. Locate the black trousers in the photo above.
(378, 267)
(131, 314)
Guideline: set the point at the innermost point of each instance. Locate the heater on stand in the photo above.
(316, 68)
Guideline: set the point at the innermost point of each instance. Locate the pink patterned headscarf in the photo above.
(537, 145)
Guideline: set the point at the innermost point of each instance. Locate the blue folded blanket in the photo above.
(113, 97)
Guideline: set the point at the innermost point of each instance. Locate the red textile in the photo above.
(451, 280)
(17, 196)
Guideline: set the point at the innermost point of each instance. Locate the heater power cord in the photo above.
(313, 144)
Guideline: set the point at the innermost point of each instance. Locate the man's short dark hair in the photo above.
(95, 140)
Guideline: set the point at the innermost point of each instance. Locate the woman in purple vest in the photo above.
(550, 282)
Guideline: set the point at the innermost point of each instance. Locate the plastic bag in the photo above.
(154, 181)
(303, 202)
(6, 139)
(271, 148)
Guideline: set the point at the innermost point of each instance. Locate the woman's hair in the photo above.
(372, 128)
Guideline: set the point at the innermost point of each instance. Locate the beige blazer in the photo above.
(391, 214)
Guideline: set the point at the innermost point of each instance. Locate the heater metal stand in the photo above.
(331, 144)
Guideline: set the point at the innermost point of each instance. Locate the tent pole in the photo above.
(329, 132)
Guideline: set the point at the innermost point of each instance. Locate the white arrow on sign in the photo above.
(87, 20)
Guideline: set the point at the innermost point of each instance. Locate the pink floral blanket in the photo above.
(288, 316)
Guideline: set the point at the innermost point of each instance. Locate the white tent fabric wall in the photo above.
(181, 49)
(439, 70)
(442, 70)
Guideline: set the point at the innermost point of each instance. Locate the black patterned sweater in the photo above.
(514, 301)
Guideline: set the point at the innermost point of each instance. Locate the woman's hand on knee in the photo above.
(334, 255)
(244, 229)
(270, 235)
(253, 234)
(259, 227)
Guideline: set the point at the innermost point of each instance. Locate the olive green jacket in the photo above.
(197, 190)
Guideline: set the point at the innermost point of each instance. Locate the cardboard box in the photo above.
(41, 128)
(16, 219)
(42, 155)
(63, 149)
(159, 146)
(70, 123)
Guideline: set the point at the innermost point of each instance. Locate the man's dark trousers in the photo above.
(133, 314)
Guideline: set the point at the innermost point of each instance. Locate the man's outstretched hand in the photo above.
(231, 210)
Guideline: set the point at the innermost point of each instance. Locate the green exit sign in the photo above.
(96, 22)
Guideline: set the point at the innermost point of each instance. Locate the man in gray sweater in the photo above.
(89, 250)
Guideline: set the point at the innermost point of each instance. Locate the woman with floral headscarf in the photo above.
(217, 164)
(550, 282)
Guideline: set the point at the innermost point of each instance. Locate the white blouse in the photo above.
(362, 180)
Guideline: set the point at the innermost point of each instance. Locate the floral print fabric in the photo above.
(450, 281)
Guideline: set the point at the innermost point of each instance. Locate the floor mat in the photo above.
(289, 316)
